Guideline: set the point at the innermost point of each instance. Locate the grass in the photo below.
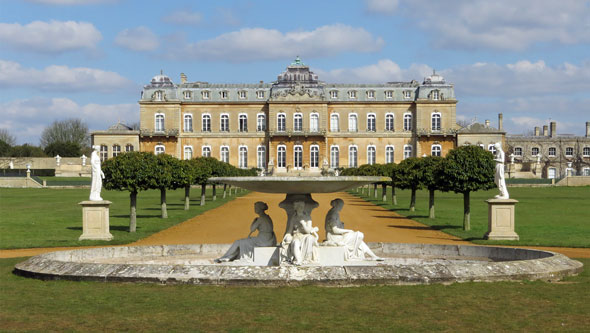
(34, 305)
(52, 217)
(66, 181)
(547, 216)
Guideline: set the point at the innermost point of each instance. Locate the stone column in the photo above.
(95, 220)
(501, 219)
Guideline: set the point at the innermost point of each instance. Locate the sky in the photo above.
(89, 59)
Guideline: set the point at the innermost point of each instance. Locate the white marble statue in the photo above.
(499, 175)
(97, 175)
(243, 249)
(352, 240)
(300, 246)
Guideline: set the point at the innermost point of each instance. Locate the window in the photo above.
(435, 150)
(551, 173)
(206, 123)
(206, 151)
(297, 122)
(352, 94)
(243, 122)
(281, 122)
(314, 156)
(371, 154)
(407, 94)
(352, 157)
(188, 152)
(188, 122)
(569, 151)
(436, 122)
(243, 157)
(224, 154)
(128, 148)
(407, 151)
(116, 150)
(159, 122)
(186, 94)
(371, 94)
(586, 172)
(518, 151)
(334, 122)
(492, 148)
(224, 123)
(389, 153)
(407, 122)
(333, 93)
(352, 122)
(535, 151)
(389, 94)
(552, 151)
(242, 94)
(371, 120)
(260, 94)
(334, 157)
(297, 157)
(261, 157)
(389, 122)
(281, 156)
(224, 94)
(205, 94)
(261, 122)
(158, 95)
(434, 95)
(104, 153)
(586, 151)
(160, 149)
(314, 122)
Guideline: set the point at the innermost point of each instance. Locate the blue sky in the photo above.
(529, 59)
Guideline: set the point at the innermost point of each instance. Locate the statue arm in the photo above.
(254, 226)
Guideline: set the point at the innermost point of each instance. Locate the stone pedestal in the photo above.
(95, 219)
(501, 219)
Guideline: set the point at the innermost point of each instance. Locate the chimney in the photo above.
(182, 78)
(552, 129)
(487, 123)
(537, 131)
(500, 122)
(545, 130)
(588, 129)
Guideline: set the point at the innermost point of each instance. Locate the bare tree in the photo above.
(72, 130)
(7, 137)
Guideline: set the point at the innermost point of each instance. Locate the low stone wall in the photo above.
(68, 166)
(574, 181)
(19, 182)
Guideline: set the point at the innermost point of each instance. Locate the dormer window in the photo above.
(205, 94)
(407, 94)
(389, 94)
(241, 94)
(371, 94)
(334, 94)
(224, 94)
(434, 95)
(260, 94)
(187, 94)
(352, 94)
(158, 95)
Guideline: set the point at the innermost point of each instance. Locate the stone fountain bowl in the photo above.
(299, 185)
(403, 264)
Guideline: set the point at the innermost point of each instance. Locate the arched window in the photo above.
(371, 154)
(281, 156)
(261, 157)
(352, 157)
(243, 157)
(160, 149)
(297, 157)
(314, 156)
(314, 122)
(436, 150)
(281, 122)
(434, 95)
(129, 147)
(389, 154)
(407, 122)
(224, 123)
(104, 153)
(224, 152)
(188, 152)
(188, 122)
(334, 157)
(371, 122)
(436, 120)
(260, 122)
(116, 150)
(297, 122)
(407, 151)
(206, 151)
(352, 122)
(206, 121)
(334, 122)
(492, 149)
(243, 122)
(159, 122)
(389, 122)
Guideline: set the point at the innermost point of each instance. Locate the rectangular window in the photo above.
(569, 151)
(371, 94)
(334, 122)
(389, 94)
(260, 94)
(187, 94)
(225, 154)
(205, 94)
(129, 148)
(224, 123)
(261, 122)
(224, 94)
(352, 157)
(261, 157)
(116, 150)
(389, 122)
(518, 151)
(243, 123)
(352, 94)
(334, 157)
(242, 94)
(334, 94)
(535, 151)
(206, 123)
(104, 153)
(243, 157)
(407, 94)
(552, 151)
(281, 157)
(298, 122)
(314, 160)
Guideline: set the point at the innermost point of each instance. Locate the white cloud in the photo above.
(61, 78)
(137, 39)
(70, 2)
(382, 6)
(50, 37)
(254, 44)
(183, 17)
(499, 24)
(26, 118)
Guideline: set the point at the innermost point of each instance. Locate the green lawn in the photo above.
(66, 181)
(545, 216)
(52, 217)
(34, 305)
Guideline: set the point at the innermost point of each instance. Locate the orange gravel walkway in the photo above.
(232, 221)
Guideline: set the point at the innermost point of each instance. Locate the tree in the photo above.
(204, 167)
(464, 170)
(69, 130)
(184, 176)
(27, 150)
(164, 173)
(5, 149)
(409, 176)
(63, 149)
(7, 137)
(390, 170)
(431, 178)
(130, 172)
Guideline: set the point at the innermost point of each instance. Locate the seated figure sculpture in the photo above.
(243, 249)
(300, 246)
(336, 235)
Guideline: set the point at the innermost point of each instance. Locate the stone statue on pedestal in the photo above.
(499, 175)
(97, 175)
(300, 245)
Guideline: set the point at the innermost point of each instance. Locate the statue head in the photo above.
(498, 146)
(337, 203)
(96, 147)
(299, 206)
(260, 206)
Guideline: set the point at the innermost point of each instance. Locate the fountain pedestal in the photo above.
(501, 219)
(95, 220)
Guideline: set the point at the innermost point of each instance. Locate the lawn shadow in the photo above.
(432, 227)
(137, 216)
(112, 227)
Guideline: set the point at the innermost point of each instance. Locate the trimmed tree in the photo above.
(409, 176)
(431, 178)
(204, 167)
(467, 169)
(164, 173)
(130, 172)
(183, 177)
(390, 170)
